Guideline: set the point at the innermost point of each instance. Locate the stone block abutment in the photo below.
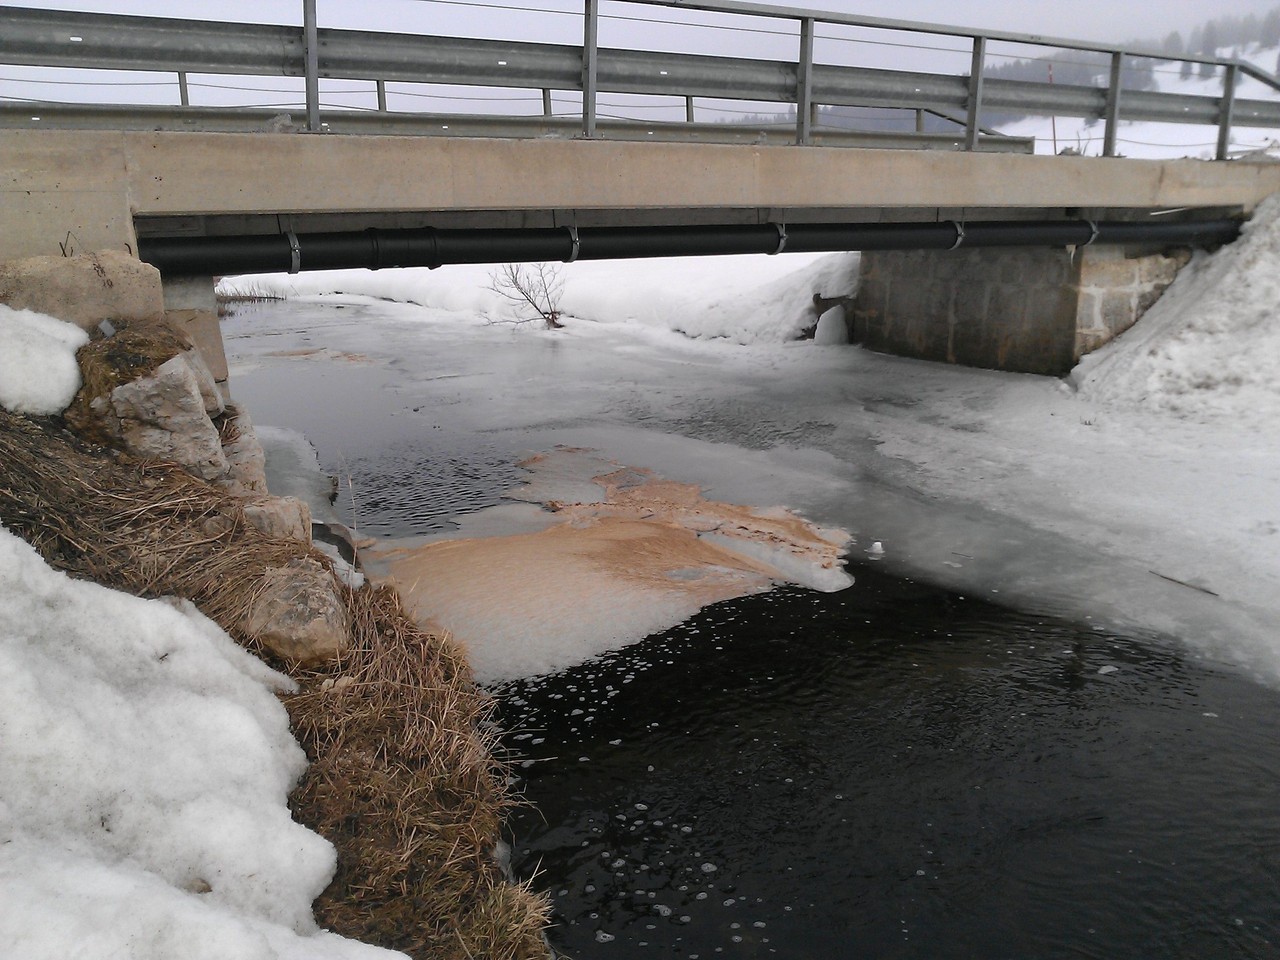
(1026, 309)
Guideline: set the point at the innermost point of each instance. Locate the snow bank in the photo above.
(38, 369)
(1210, 347)
(146, 765)
(745, 299)
(708, 298)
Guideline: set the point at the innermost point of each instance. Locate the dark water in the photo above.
(895, 771)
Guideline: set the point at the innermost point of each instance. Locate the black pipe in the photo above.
(431, 247)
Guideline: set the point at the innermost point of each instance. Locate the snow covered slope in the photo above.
(144, 769)
(1210, 347)
(1153, 141)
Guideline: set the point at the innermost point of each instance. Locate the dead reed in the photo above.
(404, 783)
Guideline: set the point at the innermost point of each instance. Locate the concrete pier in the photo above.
(1030, 309)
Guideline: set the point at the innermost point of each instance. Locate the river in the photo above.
(978, 750)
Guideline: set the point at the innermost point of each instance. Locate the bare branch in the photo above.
(533, 287)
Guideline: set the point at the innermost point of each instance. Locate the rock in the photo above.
(281, 518)
(217, 525)
(246, 474)
(163, 416)
(298, 614)
(214, 403)
(84, 290)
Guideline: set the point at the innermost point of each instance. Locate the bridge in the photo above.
(209, 189)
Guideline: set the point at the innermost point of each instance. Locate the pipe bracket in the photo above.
(575, 245)
(782, 239)
(1093, 232)
(295, 252)
(959, 235)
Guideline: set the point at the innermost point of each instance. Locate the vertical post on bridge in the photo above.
(184, 95)
(590, 51)
(311, 64)
(1113, 106)
(975, 92)
(1226, 109)
(804, 84)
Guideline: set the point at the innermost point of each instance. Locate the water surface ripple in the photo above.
(896, 771)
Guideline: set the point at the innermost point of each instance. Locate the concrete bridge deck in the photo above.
(103, 189)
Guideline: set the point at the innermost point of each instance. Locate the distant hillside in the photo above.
(1228, 35)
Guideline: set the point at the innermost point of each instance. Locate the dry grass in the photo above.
(147, 528)
(137, 348)
(251, 293)
(402, 780)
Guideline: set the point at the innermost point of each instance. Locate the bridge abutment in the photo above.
(1023, 309)
(191, 306)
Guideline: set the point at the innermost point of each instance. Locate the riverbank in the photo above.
(395, 768)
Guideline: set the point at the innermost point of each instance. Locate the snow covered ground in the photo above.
(38, 370)
(146, 765)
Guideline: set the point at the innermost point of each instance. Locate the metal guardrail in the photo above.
(88, 40)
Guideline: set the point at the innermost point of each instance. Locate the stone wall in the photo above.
(1117, 288)
(1025, 309)
(1007, 309)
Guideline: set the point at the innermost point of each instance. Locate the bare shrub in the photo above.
(536, 288)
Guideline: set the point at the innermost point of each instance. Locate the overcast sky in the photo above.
(644, 27)
(1113, 21)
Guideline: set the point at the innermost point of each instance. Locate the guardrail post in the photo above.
(1113, 106)
(184, 97)
(975, 92)
(312, 64)
(382, 95)
(546, 102)
(804, 84)
(590, 50)
(688, 109)
(1225, 111)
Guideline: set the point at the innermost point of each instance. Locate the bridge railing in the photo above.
(116, 42)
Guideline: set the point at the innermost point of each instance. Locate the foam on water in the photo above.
(633, 555)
